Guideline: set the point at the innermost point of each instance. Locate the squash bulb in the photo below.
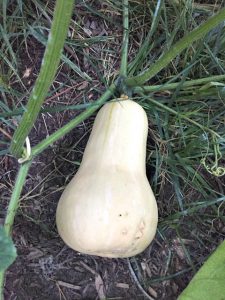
(108, 208)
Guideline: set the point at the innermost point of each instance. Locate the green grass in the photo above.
(186, 115)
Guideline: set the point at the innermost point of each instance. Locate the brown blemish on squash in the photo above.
(142, 226)
(124, 231)
(123, 215)
(140, 231)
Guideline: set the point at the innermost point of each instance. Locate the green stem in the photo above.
(56, 38)
(123, 66)
(2, 280)
(168, 109)
(147, 89)
(12, 209)
(173, 86)
(73, 123)
(185, 42)
(14, 201)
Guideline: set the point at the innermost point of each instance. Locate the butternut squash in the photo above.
(108, 209)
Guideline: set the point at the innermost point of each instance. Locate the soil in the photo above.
(46, 269)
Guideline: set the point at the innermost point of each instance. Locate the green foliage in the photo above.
(7, 250)
(208, 283)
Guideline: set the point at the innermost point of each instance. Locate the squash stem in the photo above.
(174, 85)
(124, 55)
(14, 201)
(73, 123)
(2, 277)
(175, 50)
(50, 61)
(12, 209)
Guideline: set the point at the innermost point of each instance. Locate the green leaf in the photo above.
(7, 250)
(209, 281)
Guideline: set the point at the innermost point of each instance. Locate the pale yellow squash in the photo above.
(108, 208)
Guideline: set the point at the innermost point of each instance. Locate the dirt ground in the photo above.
(46, 269)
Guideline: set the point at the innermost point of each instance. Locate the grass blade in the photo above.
(123, 66)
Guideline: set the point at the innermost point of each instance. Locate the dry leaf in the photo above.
(87, 267)
(122, 285)
(82, 86)
(99, 287)
(152, 292)
(27, 73)
(34, 254)
(69, 285)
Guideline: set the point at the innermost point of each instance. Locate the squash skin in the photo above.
(108, 209)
